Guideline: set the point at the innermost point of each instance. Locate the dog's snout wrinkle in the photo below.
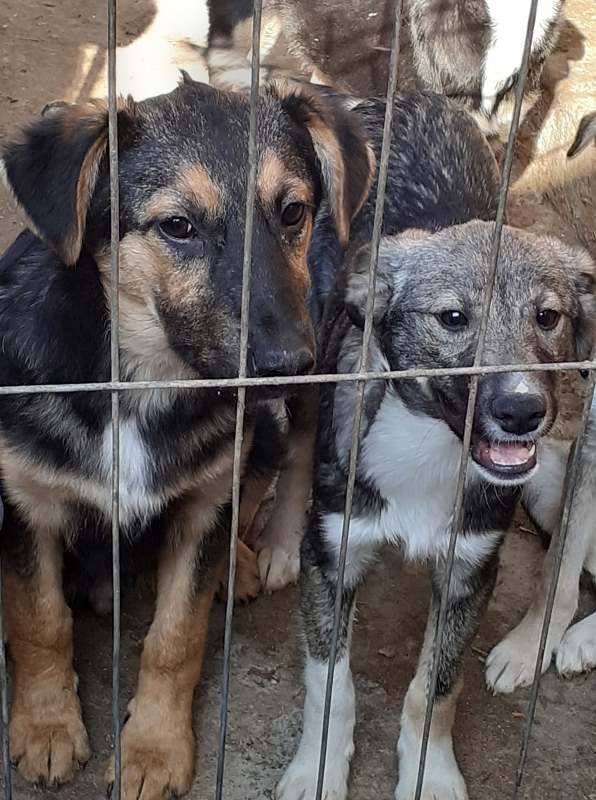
(519, 413)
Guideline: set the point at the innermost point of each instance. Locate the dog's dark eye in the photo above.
(454, 320)
(177, 228)
(548, 318)
(293, 214)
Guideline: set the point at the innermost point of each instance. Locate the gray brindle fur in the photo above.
(427, 308)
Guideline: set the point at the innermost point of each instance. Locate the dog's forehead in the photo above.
(191, 127)
(459, 260)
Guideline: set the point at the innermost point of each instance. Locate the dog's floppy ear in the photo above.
(357, 287)
(586, 134)
(346, 159)
(52, 171)
(585, 321)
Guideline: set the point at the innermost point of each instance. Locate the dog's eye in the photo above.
(548, 318)
(452, 319)
(177, 228)
(293, 214)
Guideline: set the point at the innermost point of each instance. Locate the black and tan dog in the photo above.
(183, 171)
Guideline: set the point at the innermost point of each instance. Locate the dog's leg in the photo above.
(318, 588)
(47, 737)
(469, 594)
(278, 546)
(157, 739)
(511, 663)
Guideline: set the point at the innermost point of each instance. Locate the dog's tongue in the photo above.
(510, 454)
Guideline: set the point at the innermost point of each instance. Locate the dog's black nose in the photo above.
(519, 413)
(282, 363)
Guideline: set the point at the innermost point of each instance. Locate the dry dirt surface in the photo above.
(56, 50)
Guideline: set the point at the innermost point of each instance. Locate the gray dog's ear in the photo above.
(357, 287)
(585, 321)
(586, 134)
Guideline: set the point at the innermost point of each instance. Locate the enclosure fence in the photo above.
(115, 386)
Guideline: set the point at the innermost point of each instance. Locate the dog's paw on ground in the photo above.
(156, 765)
(577, 651)
(248, 582)
(512, 662)
(300, 779)
(278, 567)
(442, 777)
(48, 740)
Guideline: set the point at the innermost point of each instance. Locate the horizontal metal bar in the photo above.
(295, 380)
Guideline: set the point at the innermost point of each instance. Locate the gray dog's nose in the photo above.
(519, 413)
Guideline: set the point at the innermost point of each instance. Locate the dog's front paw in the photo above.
(156, 764)
(278, 567)
(300, 779)
(512, 662)
(48, 740)
(577, 651)
(442, 777)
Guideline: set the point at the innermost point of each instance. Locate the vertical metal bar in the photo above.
(570, 487)
(358, 406)
(115, 397)
(471, 407)
(241, 397)
(4, 689)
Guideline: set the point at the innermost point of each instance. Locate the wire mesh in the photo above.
(359, 404)
(457, 518)
(115, 386)
(115, 376)
(241, 398)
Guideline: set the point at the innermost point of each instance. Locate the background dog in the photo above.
(470, 51)
(428, 303)
(183, 172)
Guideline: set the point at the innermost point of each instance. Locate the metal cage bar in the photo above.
(571, 478)
(241, 397)
(457, 518)
(6, 773)
(115, 376)
(359, 403)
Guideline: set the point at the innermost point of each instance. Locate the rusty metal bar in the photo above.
(298, 380)
(359, 404)
(115, 376)
(570, 487)
(471, 407)
(241, 399)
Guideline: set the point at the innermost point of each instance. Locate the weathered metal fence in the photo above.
(116, 386)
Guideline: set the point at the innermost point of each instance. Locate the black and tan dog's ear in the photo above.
(586, 134)
(358, 271)
(347, 162)
(52, 171)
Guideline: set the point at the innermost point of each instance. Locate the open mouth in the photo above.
(505, 459)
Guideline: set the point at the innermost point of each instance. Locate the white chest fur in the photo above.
(413, 461)
(137, 500)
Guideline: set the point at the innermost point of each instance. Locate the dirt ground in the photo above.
(55, 50)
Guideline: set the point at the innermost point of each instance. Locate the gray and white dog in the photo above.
(427, 307)
(512, 662)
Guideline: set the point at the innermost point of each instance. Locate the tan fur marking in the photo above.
(196, 183)
(47, 735)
